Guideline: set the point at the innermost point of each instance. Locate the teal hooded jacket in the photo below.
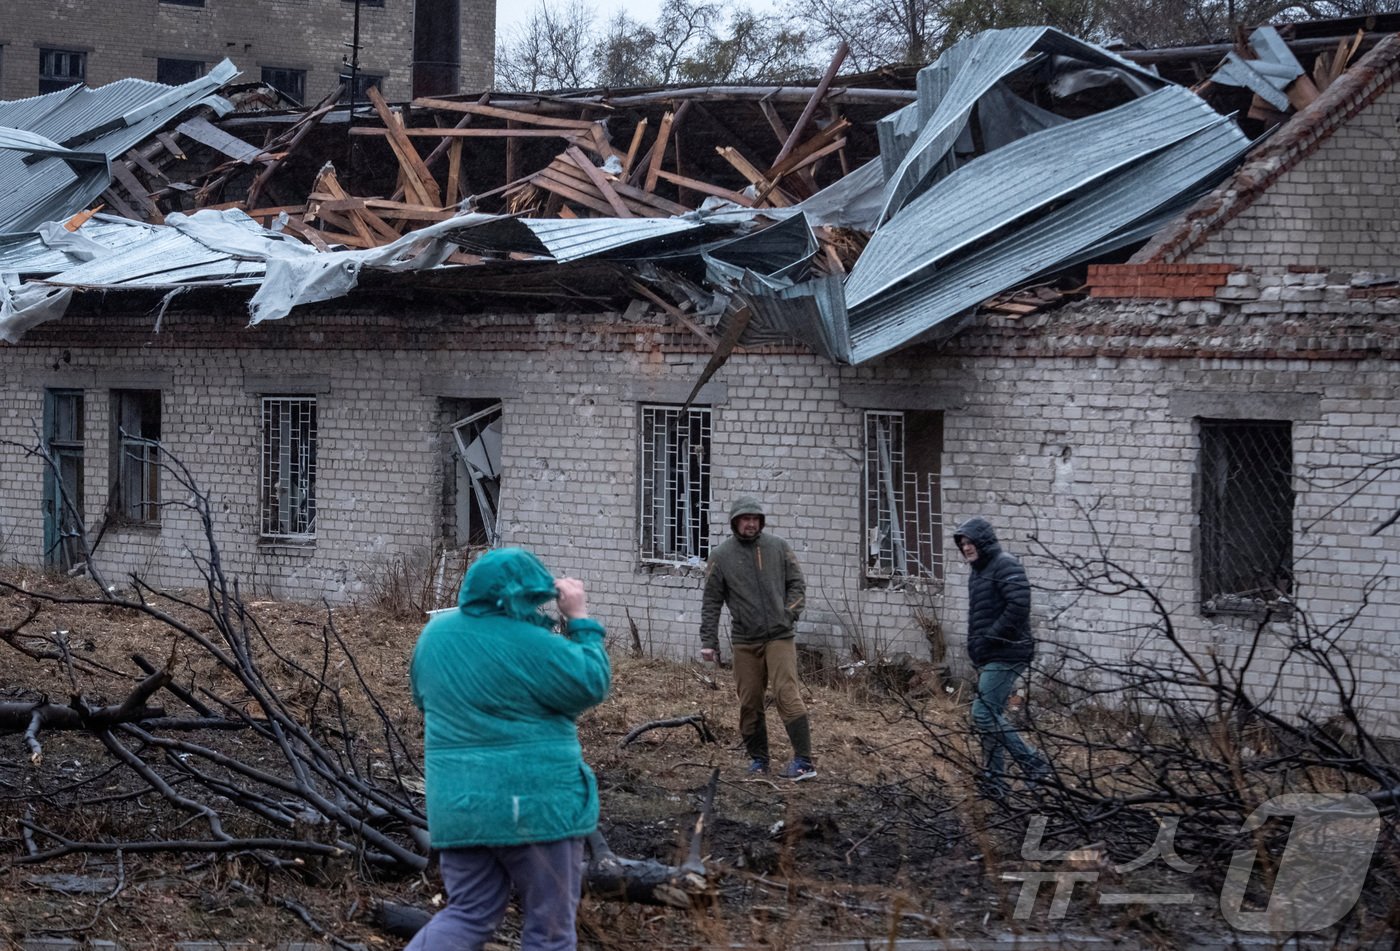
(500, 691)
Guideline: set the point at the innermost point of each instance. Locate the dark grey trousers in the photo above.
(546, 876)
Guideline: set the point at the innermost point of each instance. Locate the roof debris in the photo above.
(856, 215)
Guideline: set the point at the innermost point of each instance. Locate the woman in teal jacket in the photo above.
(510, 798)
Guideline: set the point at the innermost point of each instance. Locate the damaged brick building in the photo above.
(1175, 354)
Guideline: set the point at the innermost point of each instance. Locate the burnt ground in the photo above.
(888, 842)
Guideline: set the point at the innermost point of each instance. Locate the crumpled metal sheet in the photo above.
(54, 148)
(1269, 75)
(1125, 206)
(950, 87)
(1020, 180)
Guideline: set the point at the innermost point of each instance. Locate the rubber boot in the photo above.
(800, 735)
(756, 743)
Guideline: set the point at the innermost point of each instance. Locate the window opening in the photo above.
(1246, 515)
(477, 441)
(291, 83)
(63, 478)
(135, 471)
(59, 69)
(177, 72)
(674, 496)
(289, 467)
(903, 496)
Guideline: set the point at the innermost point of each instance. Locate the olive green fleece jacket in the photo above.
(761, 582)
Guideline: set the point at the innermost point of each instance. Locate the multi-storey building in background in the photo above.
(303, 47)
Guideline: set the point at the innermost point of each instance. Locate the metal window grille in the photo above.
(1246, 517)
(63, 488)
(903, 505)
(136, 475)
(288, 467)
(674, 484)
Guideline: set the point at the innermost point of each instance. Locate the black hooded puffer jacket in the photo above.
(998, 600)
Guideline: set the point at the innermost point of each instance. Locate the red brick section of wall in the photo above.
(1154, 280)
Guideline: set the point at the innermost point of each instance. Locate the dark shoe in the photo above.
(758, 766)
(799, 769)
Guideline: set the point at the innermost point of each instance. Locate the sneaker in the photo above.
(758, 766)
(799, 769)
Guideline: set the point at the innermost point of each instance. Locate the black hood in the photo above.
(979, 531)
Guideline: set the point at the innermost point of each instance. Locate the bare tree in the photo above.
(552, 50)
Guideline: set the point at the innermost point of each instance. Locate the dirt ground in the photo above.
(888, 842)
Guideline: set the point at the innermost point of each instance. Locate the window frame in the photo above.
(1230, 505)
(296, 95)
(287, 512)
(678, 514)
(135, 453)
(890, 472)
(53, 80)
(200, 66)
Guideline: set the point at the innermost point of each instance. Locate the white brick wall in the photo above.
(1031, 443)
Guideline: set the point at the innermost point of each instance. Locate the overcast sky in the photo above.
(509, 13)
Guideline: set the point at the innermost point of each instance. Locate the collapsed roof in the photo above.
(856, 216)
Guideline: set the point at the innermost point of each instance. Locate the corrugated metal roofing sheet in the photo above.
(52, 249)
(1007, 185)
(570, 239)
(1153, 187)
(951, 86)
(37, 185)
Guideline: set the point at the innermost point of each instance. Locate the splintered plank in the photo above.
(632, 149)
(744, 167)
(327, 186)
(599, 180)
(658, 151)
(454, 172)
(705, 188)
(674, 311)
(148, 210)
(472, 132)
(513, 115)
(644, 204)
(419, 180)
(307, 233)
(550, 180)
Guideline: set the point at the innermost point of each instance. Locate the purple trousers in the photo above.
(546, 876)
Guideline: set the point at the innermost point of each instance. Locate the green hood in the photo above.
(510, 582)
(746, 505)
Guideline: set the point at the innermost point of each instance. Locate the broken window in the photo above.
(903, 496)
(59, 69)
(289, 467)
(1246, 515)
(63, 477)
(363, 82)
(135, 468)
(177, 72)
(289, 82)
(473, 515)
(674, 485)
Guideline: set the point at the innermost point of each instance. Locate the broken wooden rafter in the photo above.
(290, 139)
(514, 115)
(420, 181)
(658, 150)
(705, 188)
(675, 312)
(775, 196)
(810, 110)
(600, 181)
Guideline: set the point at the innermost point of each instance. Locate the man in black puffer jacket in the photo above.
(1000, 645)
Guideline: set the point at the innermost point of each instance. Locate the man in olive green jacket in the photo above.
(758, 577)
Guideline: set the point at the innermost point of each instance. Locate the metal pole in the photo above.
(354, 89)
